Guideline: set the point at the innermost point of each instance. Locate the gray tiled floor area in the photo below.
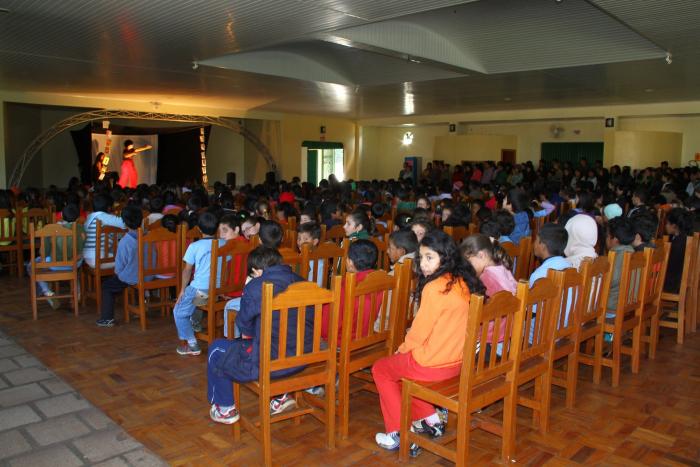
(43, 421)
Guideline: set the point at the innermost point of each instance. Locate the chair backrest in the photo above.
(382, 245)
(457, 233)
(540, 315)
(507, 312)
(536, 224)
(106, 241)
(37, 216)
(56, 242)
(159, 253)
(520, 254)
(333, 258)
(570, 290)
(289, 238)
(228, 267)
(297, 260)
(632, 282)
(688, 264)
(597, 275)
(364, 303)
(8, 227)
(335, 234)
(406, 303)
(695, 268)
(290, 309)
(657, 263)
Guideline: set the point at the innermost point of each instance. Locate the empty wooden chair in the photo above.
(520, 254)
(649, 312)
(11, 241)
(160, 263)
(597, 275)
(53, 258)
(484, 380)
(674, 306)
(226, 281)
(624, 319)
(360, 344)
(538, 330)
(286, 310)
(570, 289)
(106, 241)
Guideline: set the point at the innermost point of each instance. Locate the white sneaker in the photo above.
(318, 391)
(282, 403)
(389, 441)
(227, 418)
(53, 302)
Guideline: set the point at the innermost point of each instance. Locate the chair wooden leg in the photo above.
(125, 295)
(32, 287)
(545, 399)
(537, 397)
(405, 420)
(20, 264)
(463, 435)
(265, 434)
(571, 379)
(637, 346)
(598, 358)
(510, 406)
(74, 288)
(616, 359)
(98, 292)
(83, 284)
(142, 309)
(237, 401)
(330, 413)
(681, 322)
(653, 336)
(343, 401)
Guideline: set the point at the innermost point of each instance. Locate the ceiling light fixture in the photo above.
(669, 58)
(507, 99)
(649, 90)
(407, 138)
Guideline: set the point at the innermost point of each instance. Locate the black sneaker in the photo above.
(421, 426)
(105, 323)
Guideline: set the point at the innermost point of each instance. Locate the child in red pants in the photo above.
(434, 345)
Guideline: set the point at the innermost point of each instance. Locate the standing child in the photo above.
(434, 345)
(197, 257)
(126, 266)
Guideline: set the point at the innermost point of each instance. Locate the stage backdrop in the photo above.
(146, 162)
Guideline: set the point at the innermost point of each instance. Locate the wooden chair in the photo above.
(625, 318)
(285, 311)
(188, 236)
(11, 240)
(406, 306)
(289, 239)
(541, 312)
(483, 381)
(570, 289)
(650, 311)
(597, 275)
(62, 247)
(675, 307)
(694, 284)
(382, 245)
(333, 258)
(106, 241)
(226, 281)
(359, 349)
(158, 256)
(297, 260)
(457, 233)
(520, 254)
(335, 234)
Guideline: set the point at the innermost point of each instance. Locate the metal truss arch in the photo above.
(85, 117)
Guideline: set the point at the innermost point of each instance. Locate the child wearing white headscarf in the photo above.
(583, 236)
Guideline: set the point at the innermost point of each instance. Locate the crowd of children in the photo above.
(609, 211)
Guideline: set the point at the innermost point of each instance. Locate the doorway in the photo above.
(320, 159)
(508, 156)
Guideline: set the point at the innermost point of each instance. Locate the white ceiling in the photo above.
(356, 58)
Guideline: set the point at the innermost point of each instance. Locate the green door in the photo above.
(312, 166)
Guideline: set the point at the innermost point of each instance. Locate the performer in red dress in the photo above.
(129, 176)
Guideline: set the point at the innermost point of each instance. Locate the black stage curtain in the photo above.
(178, 150)
(82, 139)
(179, 155)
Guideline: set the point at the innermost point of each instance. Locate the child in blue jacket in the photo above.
(239, 359)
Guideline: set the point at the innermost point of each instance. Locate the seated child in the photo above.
(549, 248)
(197, 257)
(126, 266)
(433, 348)
(679, 225)
(362, 260)
(645, 224)
(506, 224)
(155, 206)
(357, 225)
(517, 203)
(239, 359)
(101, 206)
(70, 214)
(308, 214)
(619, 239)
(331, 215)
(271, 234)
(310, 233)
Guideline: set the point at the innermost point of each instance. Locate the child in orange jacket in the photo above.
(433, 348)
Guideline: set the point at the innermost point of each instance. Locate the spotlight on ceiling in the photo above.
(407, 138)
(669, 58)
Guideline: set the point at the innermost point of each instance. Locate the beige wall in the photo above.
(295, 129)
(646, 148)
(531, 135)
(689, 126)
(457, 148)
